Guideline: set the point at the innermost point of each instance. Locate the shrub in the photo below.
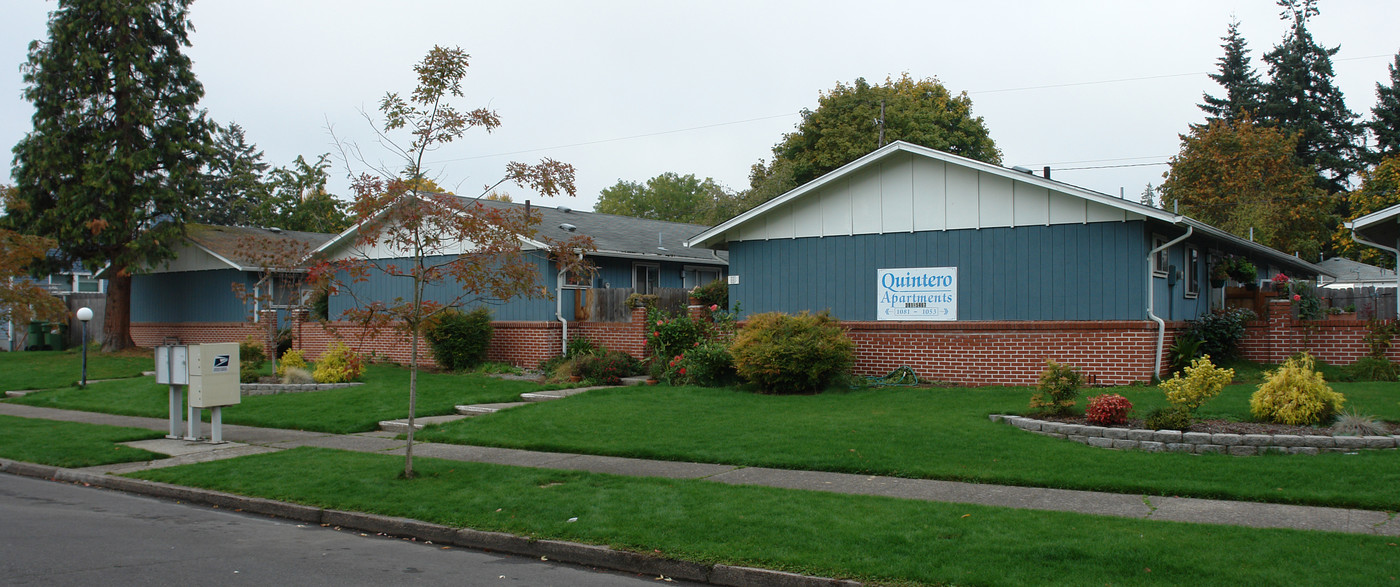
(1172, 418)
(284, 340)
(1295, 394)
(1184, 350)
(1109, 409)
(1220, 332)
(297, 376)
(580, 346)
(714, 293)
(1379, 336)
(1058, 387)
(460, 340)
(606, 367)
(291, 359)
(709, 364)
(250, 360)
(339, 365)
(1203, 381)
(671, 335)
(781, 353)
(1371, 369)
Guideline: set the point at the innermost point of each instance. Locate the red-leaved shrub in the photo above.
(1109, 409)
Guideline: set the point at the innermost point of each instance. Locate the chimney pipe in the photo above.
(1047, 172)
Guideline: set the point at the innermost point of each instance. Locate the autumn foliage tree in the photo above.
(445, 251)
(23, 300)
(1380, 189)
(1240, 176)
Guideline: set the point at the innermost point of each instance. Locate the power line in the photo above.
(1114, 166)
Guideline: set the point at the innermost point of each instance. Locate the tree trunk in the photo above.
(116, 324)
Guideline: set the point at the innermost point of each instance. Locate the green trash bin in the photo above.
(35, 339)
(56, 336)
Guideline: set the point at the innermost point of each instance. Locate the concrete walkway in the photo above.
(245, 440)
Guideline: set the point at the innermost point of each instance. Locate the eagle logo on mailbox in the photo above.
(221, 363)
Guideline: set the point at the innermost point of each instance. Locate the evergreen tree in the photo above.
(114, 157)
(1385, 121)
(1238, 77)
(233, 181)
(1300, 97)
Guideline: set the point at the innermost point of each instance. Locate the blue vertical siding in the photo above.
(190, 296)
(1060, 272)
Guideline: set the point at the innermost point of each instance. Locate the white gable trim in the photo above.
(996, 188)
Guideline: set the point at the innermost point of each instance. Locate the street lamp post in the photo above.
(84, 314)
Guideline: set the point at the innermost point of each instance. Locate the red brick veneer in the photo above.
(1008, 353)
(1278, 336)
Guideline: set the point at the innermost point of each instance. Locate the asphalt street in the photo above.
(63, 534)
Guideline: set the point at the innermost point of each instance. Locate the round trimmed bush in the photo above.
(1296, 395)
(1109, 409)
(460, 340)
(781, 353)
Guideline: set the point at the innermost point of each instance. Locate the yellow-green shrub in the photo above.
(1203, 381)
(781, 353)
(1295, 394)
(338, 365)
(296, 358)
(1058, 387)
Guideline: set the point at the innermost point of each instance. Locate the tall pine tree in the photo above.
(233, 183)
(1300, 97)
(118, 141)
(1385, 121)
(1238, 77)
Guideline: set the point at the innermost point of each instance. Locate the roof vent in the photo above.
(1023, 169)
(567, 227)
(565, 209)
(274, 229)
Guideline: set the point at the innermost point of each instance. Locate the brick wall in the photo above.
(153, 334)
(1278, 336)
(1008, 353)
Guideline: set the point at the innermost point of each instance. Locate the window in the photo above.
(698, 276)
(1193, 272)
(87, 284)
(1160, 260)
(646, 278)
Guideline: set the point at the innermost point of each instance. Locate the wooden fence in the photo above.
(610, 304)
(1370, 302)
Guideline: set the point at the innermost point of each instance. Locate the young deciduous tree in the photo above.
(447, 251)
(848, 124)
(1301, 98)
(1238, 77)
(281, 275)
(114, 157)
(1240, 176)
(22, 300)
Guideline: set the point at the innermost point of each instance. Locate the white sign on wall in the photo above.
(922, 293)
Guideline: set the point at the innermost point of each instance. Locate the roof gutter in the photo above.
(1161, 324)
(1392, 250)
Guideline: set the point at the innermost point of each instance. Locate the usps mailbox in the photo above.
(213, 375)
(210, 373)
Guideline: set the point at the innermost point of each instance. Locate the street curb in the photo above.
(559, 551)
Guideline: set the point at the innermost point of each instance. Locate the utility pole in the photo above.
(880, 122)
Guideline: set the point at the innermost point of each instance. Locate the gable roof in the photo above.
(1348, 271)
(613, 235)
(718, 235)
(209, 247)
(1382, 226)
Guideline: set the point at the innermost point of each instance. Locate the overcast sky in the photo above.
(629, 90)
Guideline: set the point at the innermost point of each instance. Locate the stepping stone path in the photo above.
(401, 426)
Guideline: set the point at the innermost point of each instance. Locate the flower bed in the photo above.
(1198, 442)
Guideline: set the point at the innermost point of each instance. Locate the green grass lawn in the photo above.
(52, 369)
(69, 444)
(870, 538)
(384, 396)
(932, 433)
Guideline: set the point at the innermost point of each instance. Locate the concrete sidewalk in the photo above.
(250, 440)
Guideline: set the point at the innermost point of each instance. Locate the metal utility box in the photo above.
(172, 365)
(213, 375)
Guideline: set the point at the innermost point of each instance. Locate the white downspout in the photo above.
(559, 313)
(1161, 324)
(1393, 250)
